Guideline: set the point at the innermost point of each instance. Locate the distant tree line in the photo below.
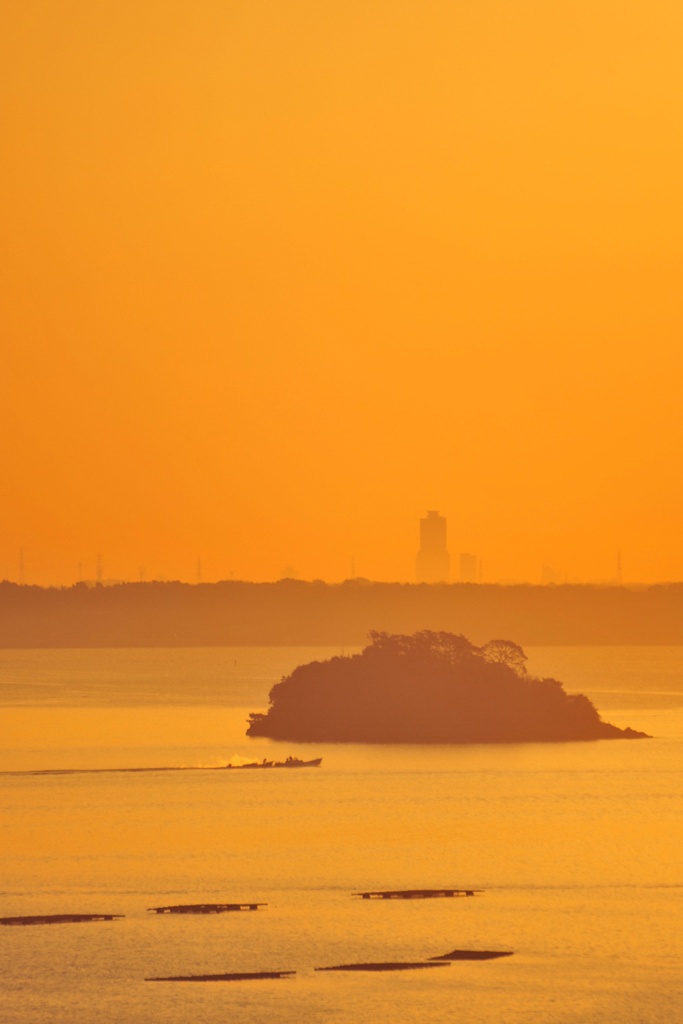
(297, 613)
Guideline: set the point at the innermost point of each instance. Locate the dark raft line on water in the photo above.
(59, 918)
(206, 908)
(417, 894)
(387, 966)
(473, 954)
(244, 976)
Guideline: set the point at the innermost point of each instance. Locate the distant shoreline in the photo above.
(293, 613)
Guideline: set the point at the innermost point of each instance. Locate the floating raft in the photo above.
(59, 918)
(416, 894)
(253, 976)
(388, 966)
(472, 954)
(203, 908)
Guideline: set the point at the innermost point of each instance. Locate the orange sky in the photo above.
(279, 277)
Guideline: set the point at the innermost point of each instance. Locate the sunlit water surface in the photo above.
(578, 847)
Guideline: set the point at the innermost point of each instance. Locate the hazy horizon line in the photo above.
(363, 580)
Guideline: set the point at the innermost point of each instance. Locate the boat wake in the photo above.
(289, 762)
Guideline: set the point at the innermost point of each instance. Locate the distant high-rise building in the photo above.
(469, 569)
(433, 563)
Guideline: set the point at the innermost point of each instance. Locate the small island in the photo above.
(428, 688)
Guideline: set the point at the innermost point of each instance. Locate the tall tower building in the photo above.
(433, 563)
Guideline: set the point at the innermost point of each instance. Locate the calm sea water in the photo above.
(578, 847)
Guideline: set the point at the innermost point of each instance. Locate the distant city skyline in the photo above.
(435, 559)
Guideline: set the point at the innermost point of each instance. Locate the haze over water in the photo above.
(577, 846)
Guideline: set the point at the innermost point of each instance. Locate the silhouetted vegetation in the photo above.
(428, 688)
(295, 612)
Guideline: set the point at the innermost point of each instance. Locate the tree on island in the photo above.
(428, 688)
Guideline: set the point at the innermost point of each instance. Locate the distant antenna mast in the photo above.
(22, 574)
(620, 579)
